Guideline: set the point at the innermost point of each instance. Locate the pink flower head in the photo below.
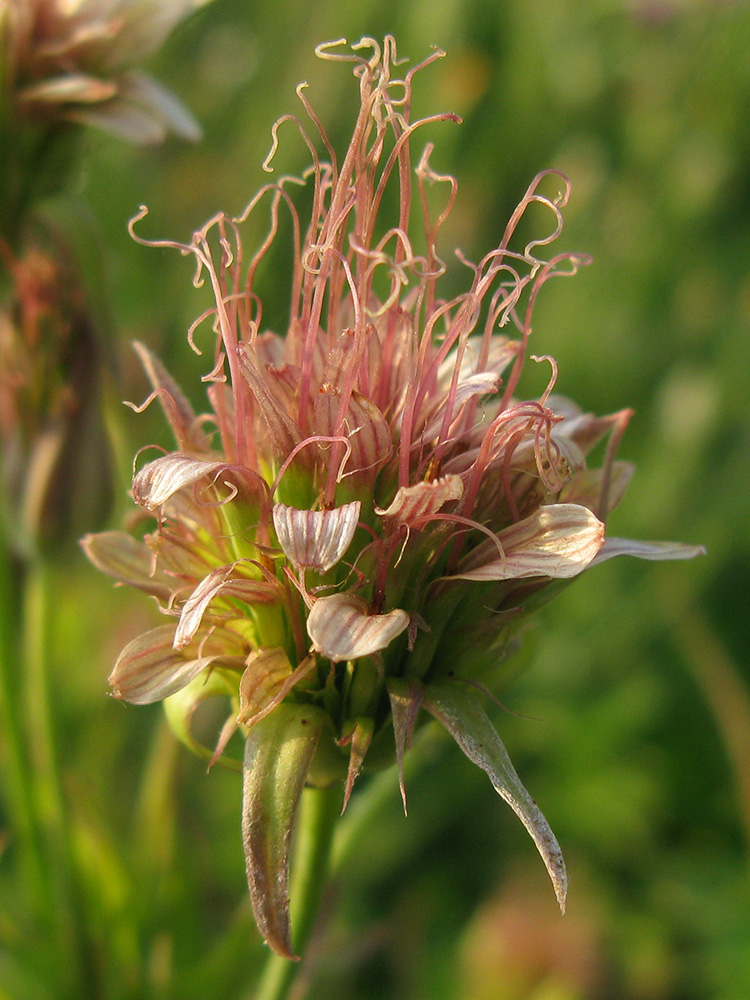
(369, 510)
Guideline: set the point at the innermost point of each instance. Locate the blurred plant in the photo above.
(365, 519)
(63, 64)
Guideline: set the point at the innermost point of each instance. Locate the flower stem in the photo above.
(18, 780)
(63, 891)
(319, 811)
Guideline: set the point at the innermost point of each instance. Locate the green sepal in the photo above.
(180, 706)
(456, 708)
(278, 752)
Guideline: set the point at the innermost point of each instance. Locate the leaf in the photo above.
(361, 738)
(406, 700)
(468, 724)
(278, 752)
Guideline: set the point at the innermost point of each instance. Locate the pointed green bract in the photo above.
(467, 722)
(278, 753)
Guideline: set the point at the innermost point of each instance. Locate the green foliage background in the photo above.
(631, 692)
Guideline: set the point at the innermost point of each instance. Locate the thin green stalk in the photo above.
(17, 777)
(64, 900)
(319, 812)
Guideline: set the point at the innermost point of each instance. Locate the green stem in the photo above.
(63, 891)
(18, 780)
(319, 812)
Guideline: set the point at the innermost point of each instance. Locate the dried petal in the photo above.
(412, 504)
(150, 668)
(219, 581)
(266, 681)
(315, 539)
(341, 627)
(558, 540)
(467, 722)
(127, 560)
(647, 550)
(365, 427)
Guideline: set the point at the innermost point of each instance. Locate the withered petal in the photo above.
(341, 627)
(315, 539)
(219, 581)
(557, 540)
(412, 503)
(127, 560)
(150, 669)
(266, 681)
(654, 551)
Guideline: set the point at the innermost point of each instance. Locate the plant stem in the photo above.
(319, 811)
(63, 892)
(18, 780)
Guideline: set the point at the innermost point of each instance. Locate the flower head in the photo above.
(72, 60)
(358, 527)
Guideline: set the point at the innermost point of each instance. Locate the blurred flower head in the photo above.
(360, 524)
(73, 60)
(53, 447)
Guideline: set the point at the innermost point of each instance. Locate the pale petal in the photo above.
(483, 384)
(341, 628)
(158, 480)
(647, 550)
(219, 581)
(558, 540)
(266, 681)
(164, 106)
(413, 503)
(72, 87)
(150, 669)
(315, 539)
(122, 557)
(165, 476)
(585, 487)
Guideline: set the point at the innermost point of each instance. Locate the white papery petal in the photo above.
(157, 481)
(558, 540)
(647, 550)
(341, 627)
(219, 581)
(150, 669)
(421, 500)
(315, 539)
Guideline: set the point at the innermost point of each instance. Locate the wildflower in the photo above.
(357, 529)
(72, 60)
(51, 430)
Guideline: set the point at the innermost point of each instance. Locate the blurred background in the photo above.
(629, 704)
